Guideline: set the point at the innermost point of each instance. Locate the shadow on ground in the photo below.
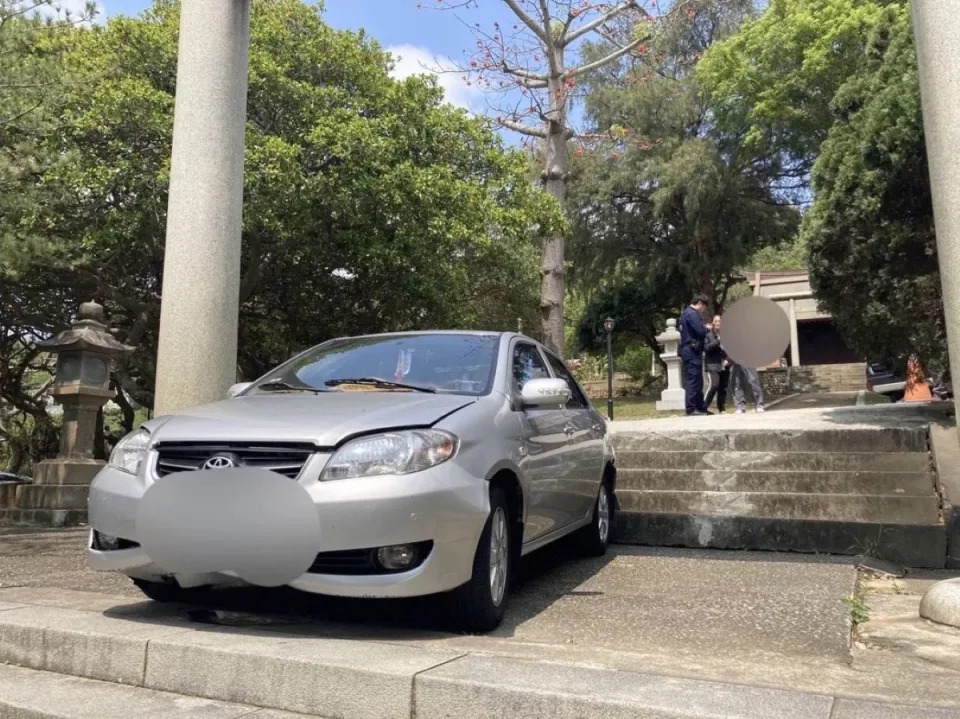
(556, 566)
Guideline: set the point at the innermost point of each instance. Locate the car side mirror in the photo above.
(545, 392)
(238, 388)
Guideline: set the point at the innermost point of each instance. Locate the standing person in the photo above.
(741, 376)
(718, 367)
(692, 334)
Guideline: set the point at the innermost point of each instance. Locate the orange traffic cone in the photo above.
(917, 389)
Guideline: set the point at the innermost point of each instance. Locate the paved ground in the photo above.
(756, 618)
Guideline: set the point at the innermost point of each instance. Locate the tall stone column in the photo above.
(794, 335)
(936, 29)
(197, 356)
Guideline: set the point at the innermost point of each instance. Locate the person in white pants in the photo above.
(741, 377)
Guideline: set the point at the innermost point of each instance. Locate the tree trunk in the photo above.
(555, 181)
(16, 457)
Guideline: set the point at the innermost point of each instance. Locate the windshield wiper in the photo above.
(378, 382)
(276, 385)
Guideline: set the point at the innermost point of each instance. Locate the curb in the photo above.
(288, 669)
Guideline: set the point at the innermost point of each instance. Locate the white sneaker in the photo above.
(740, 411)
(761, 409)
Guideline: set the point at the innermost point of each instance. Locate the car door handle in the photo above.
(569, 429)
(597, 427)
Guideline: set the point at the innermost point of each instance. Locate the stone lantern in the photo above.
(58, 494)
(673, 397)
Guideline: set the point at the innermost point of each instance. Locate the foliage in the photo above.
(830, 87)
(791, 255)
(664, 201)
(774, 79)
(635, 362)
(34, 35)
(873, 259)
(369, 203)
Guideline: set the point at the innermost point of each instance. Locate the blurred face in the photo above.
(716, 323)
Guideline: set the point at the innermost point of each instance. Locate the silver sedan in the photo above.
(389, 465)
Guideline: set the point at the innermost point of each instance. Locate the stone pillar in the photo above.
(58, 495)
(672, 398)
(197, 355)
(936, 28)
(794, 336)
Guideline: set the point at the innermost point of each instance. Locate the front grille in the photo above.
(285, 459)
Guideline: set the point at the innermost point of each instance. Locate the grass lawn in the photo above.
(633, 408)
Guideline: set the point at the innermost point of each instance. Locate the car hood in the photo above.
(323, 419)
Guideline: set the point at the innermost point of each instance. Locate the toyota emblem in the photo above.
(220, 461)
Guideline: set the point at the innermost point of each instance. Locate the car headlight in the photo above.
(130, 451)
(391, 453)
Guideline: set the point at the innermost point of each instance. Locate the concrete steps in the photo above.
(910, 484)
(843, 490)
(74, 655)
(27, 693)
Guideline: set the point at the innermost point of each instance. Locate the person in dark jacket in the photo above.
(718, 367)
(692, 334)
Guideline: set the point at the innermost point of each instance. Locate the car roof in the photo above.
(411, 333)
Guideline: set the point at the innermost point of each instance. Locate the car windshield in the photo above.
(447, 363)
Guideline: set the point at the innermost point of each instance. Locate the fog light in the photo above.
(106, 542)
(399, 556)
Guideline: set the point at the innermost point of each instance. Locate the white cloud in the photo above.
(414, 60)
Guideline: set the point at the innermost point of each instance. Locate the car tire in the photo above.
(594, 539)
(480, 604)
(171, 592)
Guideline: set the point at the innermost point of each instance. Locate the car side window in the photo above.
(528, 364)
(577, 400)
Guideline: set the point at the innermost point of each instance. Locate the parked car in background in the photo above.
(432, 461)
(11, 478)
(883, 380)
(893, 382)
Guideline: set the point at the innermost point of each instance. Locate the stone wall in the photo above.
(815, 378)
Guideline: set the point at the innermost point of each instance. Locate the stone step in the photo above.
(31, 694)
(43, 517)
(911, 545)
(53, 496)
(840, 439)
(912, 484)
(91, 655)
(875, 509)
(786, 461)
(143, 644)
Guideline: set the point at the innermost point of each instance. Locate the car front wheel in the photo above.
(481, 602)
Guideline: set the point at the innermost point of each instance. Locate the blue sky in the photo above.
(418, 37)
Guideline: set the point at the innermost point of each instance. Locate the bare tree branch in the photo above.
(594, 24)
(619, 52)
(525, 18)
(524, 129)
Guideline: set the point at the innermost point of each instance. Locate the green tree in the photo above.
(666, 202)
(369, 204)
(828, 91)
(774, 79)
(34, 35)
(873, 259)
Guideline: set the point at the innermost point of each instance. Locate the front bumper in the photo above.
(444, 504)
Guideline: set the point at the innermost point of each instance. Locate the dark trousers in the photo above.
(694, 388)
(719, 378)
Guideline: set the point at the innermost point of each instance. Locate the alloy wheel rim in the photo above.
(499, 556)
(603, 513)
